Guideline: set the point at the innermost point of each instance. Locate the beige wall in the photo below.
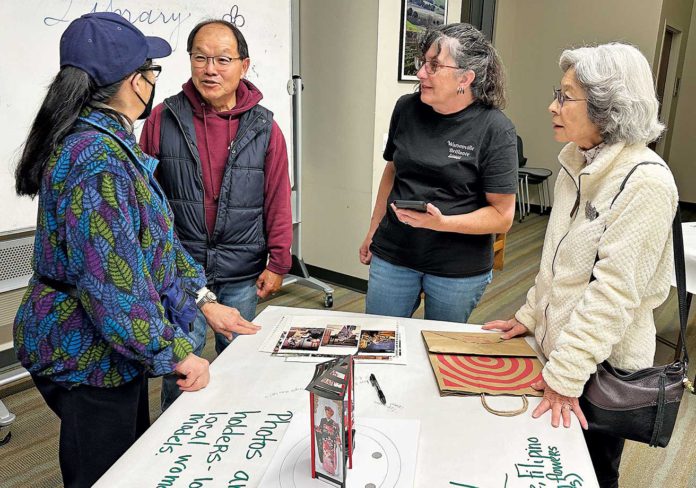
(338, 42)
(349, 64)
(530, 37)
(683, 145)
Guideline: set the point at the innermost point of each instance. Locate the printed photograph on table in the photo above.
(369, 339)
(377, 341)
(341, 336)
(329, 440)
(302, 339)
(417, 16)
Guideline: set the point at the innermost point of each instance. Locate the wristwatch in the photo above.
(205, 296)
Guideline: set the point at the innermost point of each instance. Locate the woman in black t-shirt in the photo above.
(449, 145)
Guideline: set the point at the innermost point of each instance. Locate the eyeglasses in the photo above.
(156, 70)
(431, 65)
(561, 98)
(199, 60)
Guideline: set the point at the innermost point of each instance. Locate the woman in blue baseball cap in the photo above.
(113, 291)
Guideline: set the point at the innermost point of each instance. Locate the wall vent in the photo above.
(15, 263)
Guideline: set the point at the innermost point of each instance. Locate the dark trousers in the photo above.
(605, 452)
(97, 425)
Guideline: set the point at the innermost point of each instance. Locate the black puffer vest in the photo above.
(236, 248)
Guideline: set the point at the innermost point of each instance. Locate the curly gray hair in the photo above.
(471, 51)
(621, 98)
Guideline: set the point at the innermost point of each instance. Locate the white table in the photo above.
(689, 232)
(460, 443)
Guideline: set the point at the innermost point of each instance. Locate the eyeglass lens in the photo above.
(558, 95)
(221, 62)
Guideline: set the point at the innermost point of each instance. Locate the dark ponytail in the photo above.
(70, 91)
(493, 91)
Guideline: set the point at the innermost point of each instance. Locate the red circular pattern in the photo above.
(492, 374)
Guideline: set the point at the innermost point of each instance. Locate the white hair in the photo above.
(621, 99)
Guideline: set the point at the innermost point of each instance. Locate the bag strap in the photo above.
(70, 289)
(679, 264)
(505, 413)
(680, 273)
(60, 286)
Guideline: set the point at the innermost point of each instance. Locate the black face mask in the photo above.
(148, 105)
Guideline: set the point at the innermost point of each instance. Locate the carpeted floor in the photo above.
(30, 458)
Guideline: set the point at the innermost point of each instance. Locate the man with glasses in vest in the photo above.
(224, 168)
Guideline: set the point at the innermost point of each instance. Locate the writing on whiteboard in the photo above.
(151, 16)
(172, 18)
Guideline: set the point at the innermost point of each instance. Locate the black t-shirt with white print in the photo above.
(451, 161)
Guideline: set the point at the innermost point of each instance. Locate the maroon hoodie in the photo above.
(214, 132)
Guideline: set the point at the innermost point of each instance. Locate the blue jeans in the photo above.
(241, 296)
(395, 291)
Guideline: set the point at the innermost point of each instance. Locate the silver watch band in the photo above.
(205, 296)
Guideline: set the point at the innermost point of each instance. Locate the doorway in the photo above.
(667, 85)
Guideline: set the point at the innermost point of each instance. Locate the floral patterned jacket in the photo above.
(105, 227)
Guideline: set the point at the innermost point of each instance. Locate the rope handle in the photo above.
(505, 413)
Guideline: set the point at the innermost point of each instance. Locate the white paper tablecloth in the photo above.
(689, 231)
(460, 444)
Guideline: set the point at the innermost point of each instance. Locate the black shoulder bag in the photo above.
(642, 405)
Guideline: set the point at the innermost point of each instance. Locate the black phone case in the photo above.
(417, 205)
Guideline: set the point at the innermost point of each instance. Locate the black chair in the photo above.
(522, 184)
(532, 176)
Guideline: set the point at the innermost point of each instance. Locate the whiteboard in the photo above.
(31, 31)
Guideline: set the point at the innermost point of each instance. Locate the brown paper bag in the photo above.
(472, 375)
(476, 344)
(471, 363)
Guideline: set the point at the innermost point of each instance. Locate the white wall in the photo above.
(338, 41)
(530, 37)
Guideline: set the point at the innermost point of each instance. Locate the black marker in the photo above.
(380, 393)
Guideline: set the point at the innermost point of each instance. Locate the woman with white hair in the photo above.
(607, 258)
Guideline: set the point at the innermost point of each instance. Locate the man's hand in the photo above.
(269, 282)
(225, 320)
(194, 372)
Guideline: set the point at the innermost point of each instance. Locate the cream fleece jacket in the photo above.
(579, 323)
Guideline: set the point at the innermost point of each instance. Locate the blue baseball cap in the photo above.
(108, 47)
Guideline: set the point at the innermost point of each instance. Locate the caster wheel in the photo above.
(6, 439)
(328, 301)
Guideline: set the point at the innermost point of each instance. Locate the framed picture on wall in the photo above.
(417, 16)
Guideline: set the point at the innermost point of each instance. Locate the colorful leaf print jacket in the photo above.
(104, 226)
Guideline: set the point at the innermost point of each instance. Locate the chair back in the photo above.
(499, 252)
(521, 160)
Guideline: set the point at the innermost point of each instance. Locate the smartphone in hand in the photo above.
(417, 205)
